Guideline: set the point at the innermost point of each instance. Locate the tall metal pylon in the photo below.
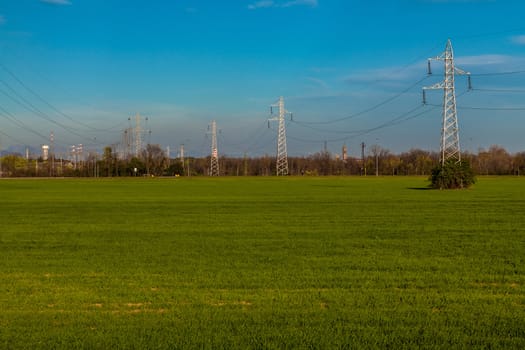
(181, 156)
(135, 136)
(282, 155)
(52, 152)
(181, 153)
(214, 159)
(450, 148)
(138, 136)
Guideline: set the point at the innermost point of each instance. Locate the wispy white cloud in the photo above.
(456, 1)
(311, 3)
(486, 60)
(270, 3)
(318, 82)
(387, 75)
(261, 4)
(57, 2)
(518, 39)
(474, 64)
(398, 76)
(319, 70)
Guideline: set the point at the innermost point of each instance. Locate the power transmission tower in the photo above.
(214, 166)
(125, 144)
(363, 164)
(181, 156)
(138, 136)
(134, 136)
(449, 131)
(52, 155)
(282, 155)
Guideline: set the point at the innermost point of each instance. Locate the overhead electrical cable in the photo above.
(38, 96)
(486, 108)
(10, 117)
(22, 101)
(13, 138)
(510, 91)
(497, 73)
(260, 129)
(355, 133)
(370, 109)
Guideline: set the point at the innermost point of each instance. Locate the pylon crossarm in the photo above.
(460, 71)
(436, 86)
(438, 58)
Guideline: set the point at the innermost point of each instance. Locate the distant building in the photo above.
(45, 152)
(344, 154)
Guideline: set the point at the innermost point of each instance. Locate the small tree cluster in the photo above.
(452, 175)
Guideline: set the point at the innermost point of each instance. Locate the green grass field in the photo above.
(261, 263)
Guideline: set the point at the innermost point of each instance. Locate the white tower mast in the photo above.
(450, 131)
(214, 166)
(138, 136)
(282, 155)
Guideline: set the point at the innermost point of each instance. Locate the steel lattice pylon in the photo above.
(214, 166)
(450, 148)
(282, 155)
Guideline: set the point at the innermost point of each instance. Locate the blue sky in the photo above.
(85, 67)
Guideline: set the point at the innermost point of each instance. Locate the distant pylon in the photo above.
(214, 166)
(282, 155)
(181, 153)
(133, 137)
(138, 136)
(52, 152)
(449, 131)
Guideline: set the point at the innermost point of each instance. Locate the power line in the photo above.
(13, 138)
(488, 108)
(517, 91)
(498, 73)
(261, 129)
(10, 117)
(356, 133)
(370, 109)
(35, 110)
(38, 96)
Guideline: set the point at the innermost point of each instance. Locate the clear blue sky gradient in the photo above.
(87, 66)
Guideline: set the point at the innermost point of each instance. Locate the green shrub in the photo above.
(452, 175)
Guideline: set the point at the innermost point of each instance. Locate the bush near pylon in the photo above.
(452, 175)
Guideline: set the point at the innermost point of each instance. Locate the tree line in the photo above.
(153, 162)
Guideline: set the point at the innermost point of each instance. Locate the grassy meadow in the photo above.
(222, 263)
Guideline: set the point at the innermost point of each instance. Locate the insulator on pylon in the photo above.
(424, 97)
(469, 82)
(271, 110)
(291, 117)
(429, 69)
(268, 124)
